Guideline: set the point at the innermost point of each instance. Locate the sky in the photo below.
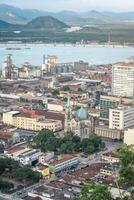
(76, 5)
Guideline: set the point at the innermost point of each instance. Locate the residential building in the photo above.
(110, 157)
(107, 171)
(25, 156)
(9, 138)
(121, 118)
(123, 79)
(129, 136)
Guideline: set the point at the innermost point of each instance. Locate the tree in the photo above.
(7, 165)
(126, 156)
(80, 90)
(91, 144)
(94, 192)
(6, 186)
(26, 173)
(96, 141)
(87, 146)
(66, 88)
(45, 140)
(70, 143)
(55, 93)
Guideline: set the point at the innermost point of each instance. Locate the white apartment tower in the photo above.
(123, 79)
(121, 118)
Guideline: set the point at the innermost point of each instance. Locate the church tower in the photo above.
(68, 114)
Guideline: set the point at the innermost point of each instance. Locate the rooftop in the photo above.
(6, 135)
(63, 158)
(14, 149)
(82, 114)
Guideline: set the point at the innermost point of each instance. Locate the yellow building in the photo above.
(31, 121)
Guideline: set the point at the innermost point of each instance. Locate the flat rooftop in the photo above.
(63, 158)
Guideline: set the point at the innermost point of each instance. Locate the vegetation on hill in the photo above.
(46, 22)
(126, 155)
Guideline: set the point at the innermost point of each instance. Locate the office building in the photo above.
(123, 79)
(107, 102)
(121, 118)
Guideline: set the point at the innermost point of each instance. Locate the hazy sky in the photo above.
(77, 5)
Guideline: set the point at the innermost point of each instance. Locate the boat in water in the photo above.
(13, 48)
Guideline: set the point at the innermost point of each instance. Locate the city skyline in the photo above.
(74, 5)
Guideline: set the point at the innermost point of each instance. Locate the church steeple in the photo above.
(68, 114)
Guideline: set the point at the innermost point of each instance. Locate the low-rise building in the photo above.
(65, 163)
(55, 106)
(110, 157)
(107, 133)
(29, 157)
(106, 171)
(29, 120)
(8, 138)
(25, 156)
(46, 157)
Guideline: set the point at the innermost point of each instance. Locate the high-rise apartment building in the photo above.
(123, 79)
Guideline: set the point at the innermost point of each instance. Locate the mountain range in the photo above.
(16, 15)
(43, 22)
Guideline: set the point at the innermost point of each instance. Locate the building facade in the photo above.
(107, 133)
(129, 136)
(31, 121)
(65, 163)
(121, 118)
(107, 102)
(123, 79)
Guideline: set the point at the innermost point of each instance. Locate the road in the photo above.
(111, 146)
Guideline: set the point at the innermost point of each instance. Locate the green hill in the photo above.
(46, 22)
(6, 25)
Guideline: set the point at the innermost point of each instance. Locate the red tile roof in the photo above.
(6, 135)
